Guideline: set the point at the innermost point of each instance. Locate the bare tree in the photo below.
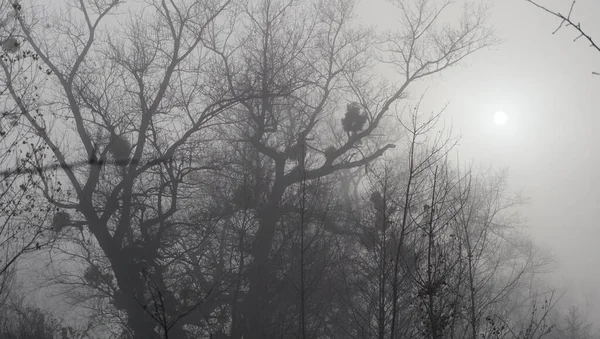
(131, 97)
(573, 324)
(533, 323)
(302, 69)
(419, 161)
(143, 102)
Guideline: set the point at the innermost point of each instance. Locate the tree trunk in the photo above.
(257, 309)
(141, 324)
(132, 287)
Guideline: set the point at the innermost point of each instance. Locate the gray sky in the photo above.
(550, 143)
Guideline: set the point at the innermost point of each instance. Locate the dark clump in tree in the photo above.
(61, 220)
(120, 149)
(353, 121)
(330, 152)
(11, 45)
(243, 196)
(377, 200)
(94, 276)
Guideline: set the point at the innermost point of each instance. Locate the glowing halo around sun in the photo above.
(500, 118)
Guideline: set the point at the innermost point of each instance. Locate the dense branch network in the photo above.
(222, 178)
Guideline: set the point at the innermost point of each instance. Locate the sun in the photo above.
(500, 118)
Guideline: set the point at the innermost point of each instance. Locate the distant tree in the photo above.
(22, 320)
(496, 261)
(530, 322)
(461, 260)
(573, 325)
(382, 219)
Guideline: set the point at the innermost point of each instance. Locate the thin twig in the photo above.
(569, 22)
(567, 19)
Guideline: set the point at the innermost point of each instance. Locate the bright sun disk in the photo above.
(500, 118)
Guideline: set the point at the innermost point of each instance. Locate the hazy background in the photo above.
(551, 143)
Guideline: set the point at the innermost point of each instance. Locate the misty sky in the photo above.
(551, 143)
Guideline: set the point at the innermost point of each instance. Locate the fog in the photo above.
(255, 195)
(544, 82)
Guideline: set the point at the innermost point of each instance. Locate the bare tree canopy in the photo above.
(252, 169)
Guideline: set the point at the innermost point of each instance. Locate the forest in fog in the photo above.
(254, 169)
